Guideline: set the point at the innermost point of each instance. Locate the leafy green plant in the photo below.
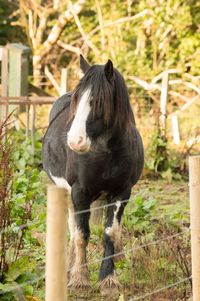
(157, 153)
(26, 210)
(139, 214)
(19, 272)
(5, 179)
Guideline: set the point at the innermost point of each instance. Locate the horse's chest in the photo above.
(103, 173)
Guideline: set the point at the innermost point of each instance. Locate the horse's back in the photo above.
(54, 149)
(60, 104)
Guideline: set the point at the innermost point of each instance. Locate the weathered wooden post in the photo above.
(18, 70)
(163, 103)
(56, 244)
(4, 81)
(194, 173)
(175, 129)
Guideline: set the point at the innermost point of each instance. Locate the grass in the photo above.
(156, 266)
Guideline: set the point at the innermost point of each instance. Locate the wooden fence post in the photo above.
(33, 128)
(163, 103)
(175, 129)
(56, 244)
(194, 173)
(4, 82)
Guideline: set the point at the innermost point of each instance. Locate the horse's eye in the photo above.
(90, 102)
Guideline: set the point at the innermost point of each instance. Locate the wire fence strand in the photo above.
(92, 209)
(137, 248)
(42, 277)
(160, 289)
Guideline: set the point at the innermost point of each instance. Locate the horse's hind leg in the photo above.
(112, 241)
(79, 276)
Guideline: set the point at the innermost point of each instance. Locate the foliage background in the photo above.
(143, 38)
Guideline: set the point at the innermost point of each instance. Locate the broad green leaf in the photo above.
(19, 267)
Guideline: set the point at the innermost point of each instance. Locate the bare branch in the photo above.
(100, 17)
(187, 84)
(192, 78)
(69, 47)
(160, 75)
(59, 26)
(41, 9)
(52, 79)
(56, 4)
(31, 31)
(41, 28)
(120, 21)
(144, 84)
(82, 32)
(192, 141)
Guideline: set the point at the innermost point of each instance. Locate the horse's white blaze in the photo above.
(61, 182)
(77, 136)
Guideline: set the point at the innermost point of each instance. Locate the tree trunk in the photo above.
(37, 68)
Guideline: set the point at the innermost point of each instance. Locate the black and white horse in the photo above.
(92, 147)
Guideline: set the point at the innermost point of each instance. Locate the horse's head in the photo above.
(92, 105)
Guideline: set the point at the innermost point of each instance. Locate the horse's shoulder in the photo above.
(60, 104)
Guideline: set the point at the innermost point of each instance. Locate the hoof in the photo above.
(79, 279)
(109, 285)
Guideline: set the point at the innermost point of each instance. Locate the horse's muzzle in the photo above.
(80, 145)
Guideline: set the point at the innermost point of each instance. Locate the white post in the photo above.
(4, 82)
(64, 81)
(175, 129)
(194, 172)
(56, 244)
(163, 103)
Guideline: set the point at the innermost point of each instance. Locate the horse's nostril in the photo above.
(80, 140)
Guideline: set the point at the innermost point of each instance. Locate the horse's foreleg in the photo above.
(72, 227)
(79, 276)
(112, 244)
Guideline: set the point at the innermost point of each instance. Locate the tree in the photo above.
(8, 17)
(142, 37)
(44, 22)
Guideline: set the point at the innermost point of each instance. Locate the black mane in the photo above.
(110, 98)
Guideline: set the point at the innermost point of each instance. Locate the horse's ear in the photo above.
(108, 69)
(84, 64)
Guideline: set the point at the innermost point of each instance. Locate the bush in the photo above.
(22, 195)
